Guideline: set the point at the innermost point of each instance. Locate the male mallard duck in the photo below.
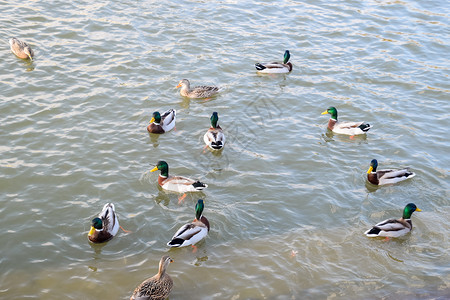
(176, 183)
(202, 91)
(106, 226)
(382, 177)
(394, 227)
(21, 49)
(214, 137)
(276, 67)
(162, 123)
(191, 233)
(157, 287)
(350, 128)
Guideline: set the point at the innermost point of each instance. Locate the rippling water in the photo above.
(288, 202)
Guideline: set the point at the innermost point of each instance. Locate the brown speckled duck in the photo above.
(202, 91)
(21, 49)
(157, 287)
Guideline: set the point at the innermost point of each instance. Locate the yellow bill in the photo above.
(91, 232)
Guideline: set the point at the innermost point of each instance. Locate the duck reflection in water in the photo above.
(330, 136)
(154, 139)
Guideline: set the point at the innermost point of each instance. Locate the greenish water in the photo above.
(287, 201)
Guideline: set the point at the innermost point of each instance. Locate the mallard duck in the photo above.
(176, 183)
(202, 91)
(106, 226)
(350, 128)
(162, 123)
(276, 67)
(192, 233)
(394, 227)
(21, 49)
(157, 287)
(214, 137)
(382, 177)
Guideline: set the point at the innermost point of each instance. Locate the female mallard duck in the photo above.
(106, 226)
(192, 233)
(202, 91)
(157, 287)
(382, 177)
(214, 137)
(276, 67)
(350, 128)
(176, 183)
(394, 227)
(21, 49)
(162, 123)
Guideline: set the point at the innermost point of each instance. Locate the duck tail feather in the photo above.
(365, 127)
(259, 66)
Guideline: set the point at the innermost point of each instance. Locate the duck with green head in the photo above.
(178, 184)
(191, 233)
(21, 49)
(276, 67)
(391, 176)
(214, 137)
(157, 287)
(162, 123)
(394, 227)
(349, 128)
(105, 226)
(201, 91)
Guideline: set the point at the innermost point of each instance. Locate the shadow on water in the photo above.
(97, 249)
(371, 187)
(164, 197)
(186, 101)
(154, 139)
(201, 260)
(28, 64)
(330, 136)
(216, 153)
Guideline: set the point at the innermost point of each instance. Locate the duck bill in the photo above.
(152, 120)
(370, 170)
(418, 209)
(325, 112)
(179, 85)
(30, 57)
(91, 232)
(154, 169)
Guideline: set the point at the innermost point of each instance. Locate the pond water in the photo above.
(288, 201)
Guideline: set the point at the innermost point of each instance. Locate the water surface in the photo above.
(287, 201)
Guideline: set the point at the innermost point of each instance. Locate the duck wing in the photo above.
(109, 219)
(389, 227)
(189, 234)
(214, 138)
(168, 119)
(394, 176)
